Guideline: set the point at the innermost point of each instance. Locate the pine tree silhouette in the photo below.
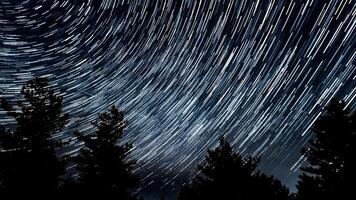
(103, 166)
(227, 175)
(29, 164)
(331, 155)
(268, 187)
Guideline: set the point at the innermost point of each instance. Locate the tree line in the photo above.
(32, 161)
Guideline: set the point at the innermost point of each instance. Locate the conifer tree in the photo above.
(227, 175)
(103, 164)
(331, 155)
(28, 158)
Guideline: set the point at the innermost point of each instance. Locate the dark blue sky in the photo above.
(185, 72)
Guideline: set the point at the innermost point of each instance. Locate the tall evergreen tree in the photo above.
(103, 164)
(227, 175)
(28, 160)
(268, 187)
(331, 153)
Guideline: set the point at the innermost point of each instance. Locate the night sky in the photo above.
(185, 72)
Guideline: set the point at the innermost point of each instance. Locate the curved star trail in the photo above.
(185, 72)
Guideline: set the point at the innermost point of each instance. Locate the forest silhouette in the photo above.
(32, 161)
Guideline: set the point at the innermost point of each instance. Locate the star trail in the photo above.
(185, 72)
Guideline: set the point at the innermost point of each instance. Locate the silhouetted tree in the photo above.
(331, 155)
(268, 187)
(28, 160)
(227, 175)
(103, 166)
